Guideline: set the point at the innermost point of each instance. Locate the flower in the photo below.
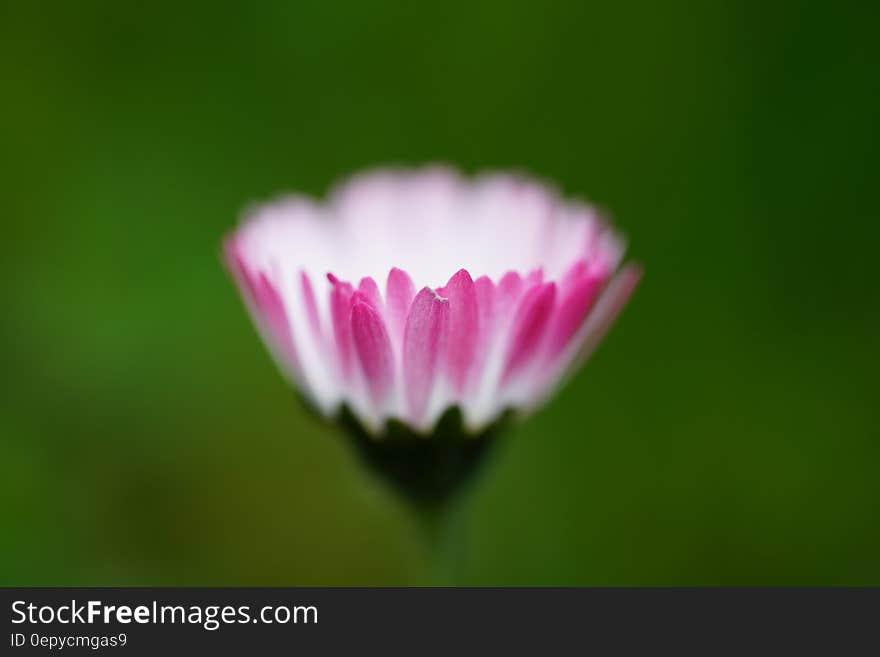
(411, 292)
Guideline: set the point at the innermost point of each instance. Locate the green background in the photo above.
(726, 431)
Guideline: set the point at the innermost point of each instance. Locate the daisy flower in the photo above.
(412, 292)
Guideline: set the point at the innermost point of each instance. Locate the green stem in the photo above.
(441, 529)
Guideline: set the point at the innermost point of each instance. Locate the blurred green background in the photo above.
(726, 431)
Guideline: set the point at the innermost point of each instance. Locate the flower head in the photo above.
(408, 293)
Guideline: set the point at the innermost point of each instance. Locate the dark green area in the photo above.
(726, 431)
(432, 470)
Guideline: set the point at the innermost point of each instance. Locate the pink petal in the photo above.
(274, 316)
(463, 328)
(340, 315)
(266, 304)
(370, 290)
(236, 262)
(607, 308)
(509, 289)
(574, 304)
(373, 348)
(399, 293)
(485, 291)
(421, 349)
(534, 277)
(311, 305)
(529, 323)
(574, 274)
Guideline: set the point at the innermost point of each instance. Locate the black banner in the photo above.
(147, 621)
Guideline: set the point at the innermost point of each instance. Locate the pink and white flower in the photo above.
(409, 292)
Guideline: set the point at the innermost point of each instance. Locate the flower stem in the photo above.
(441, 530)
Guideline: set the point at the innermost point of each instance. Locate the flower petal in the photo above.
(272, 315)
(463, 328)
(340, 315)
(485, 293)
(534, 277)
(370, 290)
(373, 348)
(399, 293)
(311, 305)
(421, 349)
(607, 308)
(574, 304)
(529, 323)
(508, 291)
